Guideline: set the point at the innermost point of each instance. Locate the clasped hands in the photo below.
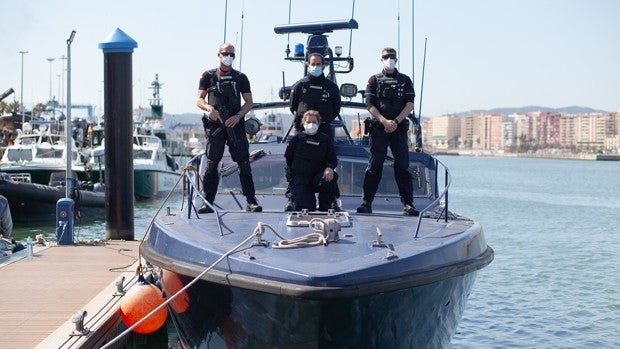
(389, 125)
(328, 174)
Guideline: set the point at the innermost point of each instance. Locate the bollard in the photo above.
(118, 132)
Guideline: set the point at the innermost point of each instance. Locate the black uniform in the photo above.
(316, 93)
(224, 93)
(389, 94)
(307, 157)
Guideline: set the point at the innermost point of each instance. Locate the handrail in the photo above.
(444, 193)
(189, 180)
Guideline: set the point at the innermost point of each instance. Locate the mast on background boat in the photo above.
(157, 108)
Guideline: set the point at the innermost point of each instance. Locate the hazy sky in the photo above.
(481, 54)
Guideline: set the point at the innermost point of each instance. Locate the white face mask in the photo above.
(311, 128)
(315, 70)
(389, 63)
(227, 60)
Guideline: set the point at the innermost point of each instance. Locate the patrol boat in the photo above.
(337, 279)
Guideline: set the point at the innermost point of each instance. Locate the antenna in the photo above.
(288, 36)
(419, 127)
(398, 21)
(225, 18)
(241, 43)
(351, 31)
(412, 43)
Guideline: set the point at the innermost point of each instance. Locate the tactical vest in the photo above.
(315, 97)
(224, 91)
(390, 95)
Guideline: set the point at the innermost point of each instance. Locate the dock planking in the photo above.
(42, 293)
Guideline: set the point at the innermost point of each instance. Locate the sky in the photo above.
(480, 54)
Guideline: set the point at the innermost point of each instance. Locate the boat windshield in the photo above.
(142, 154)
(49, 153)
(270, 179)
(19, 154)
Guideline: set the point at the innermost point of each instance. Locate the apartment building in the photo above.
(587, 132)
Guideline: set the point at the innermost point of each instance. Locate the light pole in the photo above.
(63, 58)
(50, 60)
(59, 83)
(21, 103)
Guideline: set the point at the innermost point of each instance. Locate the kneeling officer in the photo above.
(311, 160)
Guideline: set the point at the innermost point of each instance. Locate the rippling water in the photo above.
(554, 225)
(555, 228)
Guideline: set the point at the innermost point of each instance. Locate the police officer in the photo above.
(223, 88)
(311, 158)
(389, 99)
(314, 92)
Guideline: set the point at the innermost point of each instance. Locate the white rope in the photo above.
(316, 238)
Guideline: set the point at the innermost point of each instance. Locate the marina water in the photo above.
(555, 228)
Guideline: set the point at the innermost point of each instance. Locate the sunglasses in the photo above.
(389, 56)
(231, 54)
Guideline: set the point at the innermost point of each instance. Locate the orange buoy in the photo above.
(171, 283)
(139, 301)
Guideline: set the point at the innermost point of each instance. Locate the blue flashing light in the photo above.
(299, 50)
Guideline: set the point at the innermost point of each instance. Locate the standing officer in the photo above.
(389, 99)
(314, 92)
(311, 158)
(223, 87)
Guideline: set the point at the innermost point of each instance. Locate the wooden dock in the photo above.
(40, 295)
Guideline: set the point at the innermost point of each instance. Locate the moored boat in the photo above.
(316, 279)
(38, 153)
(6, 220)
(34, 201)
(154, 171)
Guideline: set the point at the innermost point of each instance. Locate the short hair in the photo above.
(389, 49)
(316, 54)
(312, 113)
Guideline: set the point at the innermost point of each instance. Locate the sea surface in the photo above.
(555, 229)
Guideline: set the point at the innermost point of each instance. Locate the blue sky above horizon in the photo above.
(481, 54)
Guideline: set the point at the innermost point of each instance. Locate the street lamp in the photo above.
(50, 60)
(21, 103)
(63, 58)
(59, 83)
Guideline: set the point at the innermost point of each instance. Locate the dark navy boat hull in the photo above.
(219, 316)
(31, 201)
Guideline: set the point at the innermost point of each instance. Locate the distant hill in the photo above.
(534, 108)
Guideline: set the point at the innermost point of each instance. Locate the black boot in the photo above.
(410, 210)
(253, 206)
(364, 208)
(290, 205)
(205, 209)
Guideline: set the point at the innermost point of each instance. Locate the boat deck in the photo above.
(42, 293)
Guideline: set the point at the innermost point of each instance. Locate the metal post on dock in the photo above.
(118, 131)
(65, 206)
